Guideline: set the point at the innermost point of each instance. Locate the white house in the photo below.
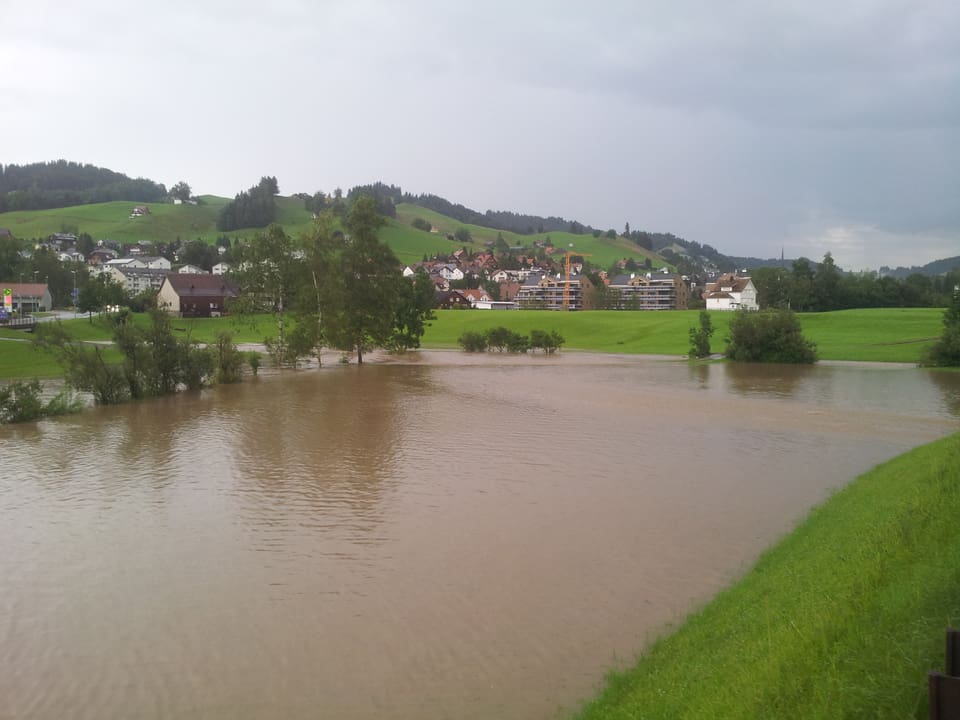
(450, 272)
(730, 292)
(192, 270)
(221, 268)
(71, 255)
(142, 262)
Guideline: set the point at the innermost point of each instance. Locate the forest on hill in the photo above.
(57, 184)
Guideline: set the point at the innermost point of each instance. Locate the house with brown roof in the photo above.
(452, 300)
(25, 297)
(189, 295)
(476, 295)
(730, 292)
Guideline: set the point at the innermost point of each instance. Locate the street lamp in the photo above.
(74, 293)
(20, 291)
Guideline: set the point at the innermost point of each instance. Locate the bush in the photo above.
(21, 402)
(421, 224)
(772, 336)
(499, 338)
(518, 343)
(473, 342)
(228, 361)
(945, 352)
(549, 342)
(700, 337)
(253, 360)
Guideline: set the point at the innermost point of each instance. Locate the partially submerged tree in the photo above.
(365, 284)
(772, 336)
(945, 352)
(700, 337)
(155, 361)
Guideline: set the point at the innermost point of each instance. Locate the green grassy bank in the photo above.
(22, 360)
(841, 619)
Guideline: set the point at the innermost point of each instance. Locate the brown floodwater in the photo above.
(451, 537)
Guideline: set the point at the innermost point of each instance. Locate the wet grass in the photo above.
(883, 335)
(843, 618)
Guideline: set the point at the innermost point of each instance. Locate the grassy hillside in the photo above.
(604, 251)
(166, 222)
(842, 619)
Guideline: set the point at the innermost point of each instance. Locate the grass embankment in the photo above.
(21, 359)
(883, 334)
(843, 618)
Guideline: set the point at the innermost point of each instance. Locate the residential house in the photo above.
(192, 270)
(71, 255)
(509, 289)
(449, 271)
(101, 256)
(221, 268)
(648, 291)
(731, 292)
(60, 240)
(139, 211)
(205, 295)
(477, 295)
(452, 299)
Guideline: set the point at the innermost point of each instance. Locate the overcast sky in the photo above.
(751, 126)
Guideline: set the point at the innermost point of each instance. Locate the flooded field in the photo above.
(447, 537)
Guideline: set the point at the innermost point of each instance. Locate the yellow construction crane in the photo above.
(566, 267)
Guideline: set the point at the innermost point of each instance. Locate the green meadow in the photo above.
(882, 335)
(841, 619)
(879, 335)
(165, 223)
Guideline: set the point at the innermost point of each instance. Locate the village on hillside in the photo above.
(547, 278)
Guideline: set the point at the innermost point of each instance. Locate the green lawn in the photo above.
(882, 335)
(842, 619)
(888, 335)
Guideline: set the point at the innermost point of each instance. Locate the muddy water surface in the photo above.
(449, 538)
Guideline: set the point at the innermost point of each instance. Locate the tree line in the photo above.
(807, 287)
(41, 186)
(253, 208)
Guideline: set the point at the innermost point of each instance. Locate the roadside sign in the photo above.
(8, 298)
